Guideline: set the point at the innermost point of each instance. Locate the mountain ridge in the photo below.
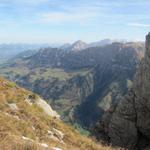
(74, 83)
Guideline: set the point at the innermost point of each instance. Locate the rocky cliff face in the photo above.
(130, 123)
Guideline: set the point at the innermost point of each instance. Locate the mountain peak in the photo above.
(79, 45)
(78, 42)
(76, 46)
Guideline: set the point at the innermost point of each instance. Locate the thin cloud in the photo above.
(62, 17)
(141, 25)
(30, 2)
(76, 14)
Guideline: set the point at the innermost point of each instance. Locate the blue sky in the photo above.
(60, 21)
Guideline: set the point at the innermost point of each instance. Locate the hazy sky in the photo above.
(54, 21)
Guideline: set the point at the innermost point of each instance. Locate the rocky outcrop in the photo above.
(47, 108)
(34, 99)
(130, 123)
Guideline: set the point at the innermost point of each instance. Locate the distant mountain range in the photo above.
(80, 84)
(80, 45)
(8, 51)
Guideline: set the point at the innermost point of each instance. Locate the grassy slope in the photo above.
(30, 121)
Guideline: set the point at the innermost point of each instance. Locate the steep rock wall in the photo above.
(130, 123)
